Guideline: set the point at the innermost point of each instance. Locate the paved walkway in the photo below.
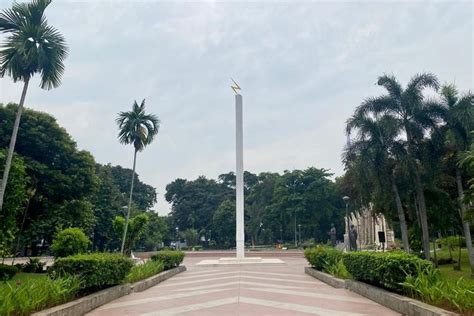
(243, 290)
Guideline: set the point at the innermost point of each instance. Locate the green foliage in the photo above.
(143, 271)
(136, 227)
(34, 265)
(96, 270)
(451, 242)
(70, 241)
(337, 269)
(36, 294)
(169, 258)
(14, 202)
(7, 272)
(223, 224)
(383, 269)
(428, 286)
(321, 257)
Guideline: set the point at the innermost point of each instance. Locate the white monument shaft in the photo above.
(239, 178)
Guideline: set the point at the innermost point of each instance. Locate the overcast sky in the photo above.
(303, 67)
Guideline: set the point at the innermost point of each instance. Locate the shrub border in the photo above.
(396, 302)
(87, 303)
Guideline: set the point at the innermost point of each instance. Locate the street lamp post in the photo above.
(299, 228)
(177, 237)
(346, 200)
(296, 241)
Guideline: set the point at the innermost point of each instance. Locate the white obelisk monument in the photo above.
(239, 175)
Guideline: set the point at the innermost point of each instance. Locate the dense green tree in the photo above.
(416, 117)
(32, 46)
(138, 129)
(57, 171)
(377, 147)
(223, 224)
(155, 233)
(15, 200)
(137, 227)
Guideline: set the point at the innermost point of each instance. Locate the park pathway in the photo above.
(243, 290)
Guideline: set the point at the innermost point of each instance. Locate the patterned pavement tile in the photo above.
(243, 290)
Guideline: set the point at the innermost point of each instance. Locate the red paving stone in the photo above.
(243, 290)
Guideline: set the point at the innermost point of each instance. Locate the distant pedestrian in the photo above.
(353, 238)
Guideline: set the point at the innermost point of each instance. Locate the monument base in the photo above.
(239, 261)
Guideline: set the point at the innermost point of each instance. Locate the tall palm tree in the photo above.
(376, 144)
(139, 129)
(416, 116)
(459, 122)
(32, 46)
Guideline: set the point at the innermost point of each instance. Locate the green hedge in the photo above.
(384, 269)
(95, 270)
(320, 257)
(169, 258)
(7, 272)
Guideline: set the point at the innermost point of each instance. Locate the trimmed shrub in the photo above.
(169, 258)
(384, 269)
(95, 270)
(70, 241)
(143, 271)
(7, 272)
(320, 257)
(34, 265)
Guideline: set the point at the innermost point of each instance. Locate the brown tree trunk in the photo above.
(401, 217)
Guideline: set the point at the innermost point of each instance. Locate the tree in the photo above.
(137, 226)
(32, 47)
(459, 122)
(377, 147)
(139, 129)
(56, 169)
(223, 224)
(416, 116)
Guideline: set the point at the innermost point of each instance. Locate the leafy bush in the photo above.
(383, 269)
(7, 272)
(169, 258)
(70, 241)
(337, 269)
(95, 270)
(19, 266)
(33, 265)
(36, 294)
(430, 288)
(451, 242)
(321, 256)
(143, 271)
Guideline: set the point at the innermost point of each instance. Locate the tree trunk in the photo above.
(420, 195)
(129, 202)
(11, 148)
(423, 216)
(465, 222)
(401, 217)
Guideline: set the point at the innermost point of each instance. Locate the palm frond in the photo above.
(136, 127)
(390, 83)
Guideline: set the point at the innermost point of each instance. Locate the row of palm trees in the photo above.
(34, 47)
(391, 132)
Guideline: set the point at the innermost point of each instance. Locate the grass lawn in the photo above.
(22, 278)
(447, 270)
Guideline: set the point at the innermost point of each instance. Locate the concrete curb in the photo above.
(154, 280)
(87, 303)
(396, 302)
(326, 278)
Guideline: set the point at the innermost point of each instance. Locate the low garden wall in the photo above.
(92, 301)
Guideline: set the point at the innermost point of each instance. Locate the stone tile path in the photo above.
(243, 290)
